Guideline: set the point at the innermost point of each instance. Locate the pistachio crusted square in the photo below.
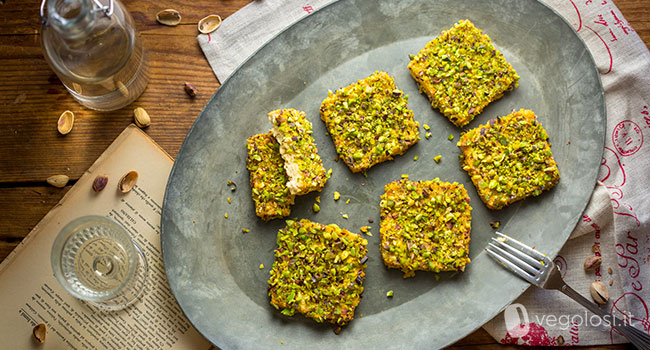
(302, 163)
(461, 72)
(318, 271)
(369, 121)
(267, 177)
(425, 225)
(509, 159)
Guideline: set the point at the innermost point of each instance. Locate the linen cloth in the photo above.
(616, 222)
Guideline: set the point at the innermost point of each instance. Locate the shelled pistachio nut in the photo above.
(209, 24)
(100, 182)
(169, 17)
(65, 123)
(141, 117)
(592, 263)
(58, 181)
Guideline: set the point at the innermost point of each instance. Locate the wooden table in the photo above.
(32, 98)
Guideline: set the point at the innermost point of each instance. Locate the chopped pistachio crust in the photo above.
(369, 121)
(461, 72)
(268, 179)
(298, 149)
(509, 159)
(318, 271)
(425, 225)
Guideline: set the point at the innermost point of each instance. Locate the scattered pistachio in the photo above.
(58, 180)
(599, 292)
(100, 182)
(141, 117)
(495, 224)
(190, 90)
(261, 266)
(560, 340)
(405, 176)
(365, 229)
(611, 282)
(426, 127)
(592, 263)
(318, 199)
(337, 329)
(437, 158)
(347, 201)
(427, 135)
(595, 248)
(609, 270)
(39, 332)
(169, 17)
(128, 181)
(225, 215)
(337, 196)
(229, 200)
(65, 123)
(233, 184)
(209, 24)
(415, 158)
(316, 208)
(345, 216)
(389, 293)
(450, 137)
(245, 230)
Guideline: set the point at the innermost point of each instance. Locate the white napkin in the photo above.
(617, 218)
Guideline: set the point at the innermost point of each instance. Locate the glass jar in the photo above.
(94, 49)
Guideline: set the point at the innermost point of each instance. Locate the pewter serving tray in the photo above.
(213, 268)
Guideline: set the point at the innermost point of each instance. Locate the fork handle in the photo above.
(640, 339)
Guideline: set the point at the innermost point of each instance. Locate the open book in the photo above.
(30, 294)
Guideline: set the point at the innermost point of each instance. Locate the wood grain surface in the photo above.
(32, 98)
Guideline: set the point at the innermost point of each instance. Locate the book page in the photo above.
(31, 294)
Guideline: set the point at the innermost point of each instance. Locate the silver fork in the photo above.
(540, 270)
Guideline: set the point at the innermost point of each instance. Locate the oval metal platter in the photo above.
(214, 268)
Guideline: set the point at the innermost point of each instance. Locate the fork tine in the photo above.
(515, 260)
(523, 247)
(518, 253)
(514, 268)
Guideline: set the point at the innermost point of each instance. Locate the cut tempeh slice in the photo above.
(509, 159)
(302, 163)
(425, 225)
(369, 121)
(318, 271)
(461, 72)
(268, 178)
